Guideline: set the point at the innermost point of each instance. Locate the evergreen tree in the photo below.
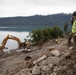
(66, 29)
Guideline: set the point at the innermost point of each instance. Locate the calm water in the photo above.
(11, 44)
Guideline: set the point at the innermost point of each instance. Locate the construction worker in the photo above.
(73, 31)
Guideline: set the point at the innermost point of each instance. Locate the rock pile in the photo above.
(48, 64)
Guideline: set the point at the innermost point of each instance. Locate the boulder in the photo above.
(46, 68)
(55, 53)
(70, 48)
(39, 59)
(36, 70)
(50, 65)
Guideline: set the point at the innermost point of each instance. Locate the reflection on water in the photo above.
(11, 44)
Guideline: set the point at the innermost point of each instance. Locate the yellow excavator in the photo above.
(20, 44)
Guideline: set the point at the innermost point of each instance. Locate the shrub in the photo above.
(41, 35)
(47, 33)
(66, 29)
(36, 36)
(56, 31)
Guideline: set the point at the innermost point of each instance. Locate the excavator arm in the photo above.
(21, 45)
(4, 42)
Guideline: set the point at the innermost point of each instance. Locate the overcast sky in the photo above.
(9, 8)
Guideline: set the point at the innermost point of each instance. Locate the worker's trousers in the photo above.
(71, 35)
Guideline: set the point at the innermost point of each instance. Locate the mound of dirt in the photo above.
(49, 59)
(68, 65)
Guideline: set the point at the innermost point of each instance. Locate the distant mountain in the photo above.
(36, 21)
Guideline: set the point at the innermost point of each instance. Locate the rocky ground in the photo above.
(49, 59)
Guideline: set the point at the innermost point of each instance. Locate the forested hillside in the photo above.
(36, 20)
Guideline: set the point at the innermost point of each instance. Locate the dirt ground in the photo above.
(21, 63)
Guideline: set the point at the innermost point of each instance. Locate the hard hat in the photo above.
(74, 13)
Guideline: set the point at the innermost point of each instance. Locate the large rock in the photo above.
(70, 48)
(46, 68)
(36, 70)
(50, 65)
(39, 59)
(55, 53)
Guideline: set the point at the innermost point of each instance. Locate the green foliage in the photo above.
(36, 36)
(56, 31)
(66, 29)
(42, 35)
(47, 33)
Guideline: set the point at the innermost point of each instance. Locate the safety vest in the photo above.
(74, 27)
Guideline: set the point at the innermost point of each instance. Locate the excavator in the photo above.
(20, 44)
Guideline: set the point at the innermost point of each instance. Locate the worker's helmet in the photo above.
(74, 13)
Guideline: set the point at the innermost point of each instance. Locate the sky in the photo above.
(10, 8)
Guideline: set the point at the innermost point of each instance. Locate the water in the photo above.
(27, 28)
(12, 44)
